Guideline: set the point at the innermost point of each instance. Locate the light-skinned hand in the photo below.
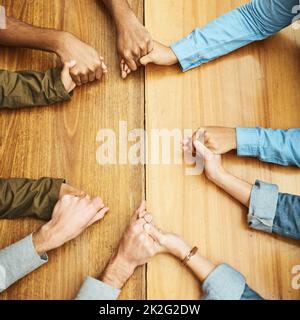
(71, 216)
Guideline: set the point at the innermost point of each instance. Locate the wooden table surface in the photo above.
(255, 86)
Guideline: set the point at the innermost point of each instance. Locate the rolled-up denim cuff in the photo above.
(18, 260)
(263, 204)
(187, 55)
(93, 289)
(224, 283)
(247, 142)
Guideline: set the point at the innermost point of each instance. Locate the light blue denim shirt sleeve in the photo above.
(18, 260)
(254, 21)
(274, 212)
(275, 146)
(225, 283)
(93, 289)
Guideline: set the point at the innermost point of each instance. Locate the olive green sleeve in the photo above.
(31, 88)
(28, 198)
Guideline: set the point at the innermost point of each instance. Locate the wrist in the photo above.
(183, 251)
(216, 175)
(233, 139)
(124, 19)
(40, 241)
(54, 40)
(60, 41)
(117, 272)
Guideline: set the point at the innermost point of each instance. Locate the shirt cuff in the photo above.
(224, 283)
(93, 289)
(247, 142)
(61, 94)
(263, 205)
(186, 54)
(18, 260)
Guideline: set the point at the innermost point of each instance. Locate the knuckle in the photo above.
(143, 45)
(127, 54)
(135, 229)
(136, 51)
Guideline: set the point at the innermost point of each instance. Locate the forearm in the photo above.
(117, 272)
(237, 188)
(119, 10)
(201, 267)
(21, 34)
(110, 283)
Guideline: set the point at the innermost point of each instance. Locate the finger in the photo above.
(200, 134)
(76, 79)
(139, 211)
(67, 66)
(150, 46)
(122, 68)
(142, 214)
(92, 76)
(99, 216)
(84, 78)
(131, 64)
(186, 142)
(203, 151)
(153, 232)
(104, 67)
(98, 203)
(196, 137)
(148, 217)
(146, 59)
(99, 73)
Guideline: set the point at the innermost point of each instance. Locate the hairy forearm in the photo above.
(20, 34)
(117, 272)
(237, 188)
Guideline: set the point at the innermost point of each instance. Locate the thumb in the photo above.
(146, 59)
(202, 150)
(154, 233)
(69, 65)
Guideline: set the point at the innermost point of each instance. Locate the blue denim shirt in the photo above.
(274, 212)
(254, 21)
(276, 146)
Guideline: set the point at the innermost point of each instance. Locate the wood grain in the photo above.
(60, 141)
(255, 86)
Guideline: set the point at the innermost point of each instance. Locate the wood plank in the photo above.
(60, 141)
(255, 86)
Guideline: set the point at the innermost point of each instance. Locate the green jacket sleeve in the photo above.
(31, 88)
(28, 198)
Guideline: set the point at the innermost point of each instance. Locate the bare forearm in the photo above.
(201, 267)
(20, 34)
(119, 10)
(237, 188)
